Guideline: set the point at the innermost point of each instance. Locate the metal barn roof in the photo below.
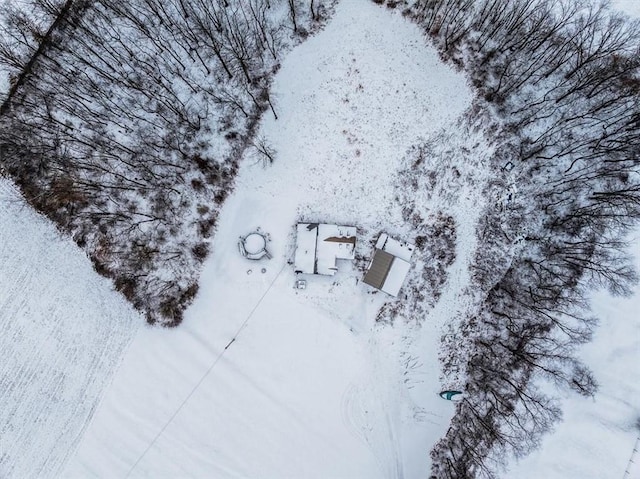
(380, 266)
(390, 265)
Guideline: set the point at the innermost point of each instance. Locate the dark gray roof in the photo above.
(379, 269)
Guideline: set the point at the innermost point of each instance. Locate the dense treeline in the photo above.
(126, 121)
(559, 85)
(25, 31)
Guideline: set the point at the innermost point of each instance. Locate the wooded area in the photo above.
(558, 88)
(125, 123)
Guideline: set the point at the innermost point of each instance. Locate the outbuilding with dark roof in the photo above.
(390, 265)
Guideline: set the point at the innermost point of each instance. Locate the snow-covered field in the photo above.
(263, 380)
(62, 333)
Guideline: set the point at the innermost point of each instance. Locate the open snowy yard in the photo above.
(263, 380)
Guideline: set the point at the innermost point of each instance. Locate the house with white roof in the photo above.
(390, 265)
(319, 246)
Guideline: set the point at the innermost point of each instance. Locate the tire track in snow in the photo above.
(367, 408)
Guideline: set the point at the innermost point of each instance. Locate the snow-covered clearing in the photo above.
(262, 380)
(63, 331)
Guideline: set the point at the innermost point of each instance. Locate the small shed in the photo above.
(390, 265)
(319, 245)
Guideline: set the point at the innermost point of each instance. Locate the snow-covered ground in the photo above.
(263, 380)
(599, 438)
(36, 16)
(62, 334)
(630, 7)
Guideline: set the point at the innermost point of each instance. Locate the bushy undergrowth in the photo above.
(435, 252)
(558, 93)
(125, 126)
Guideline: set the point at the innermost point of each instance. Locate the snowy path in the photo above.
(62, 333)
(310, 385)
